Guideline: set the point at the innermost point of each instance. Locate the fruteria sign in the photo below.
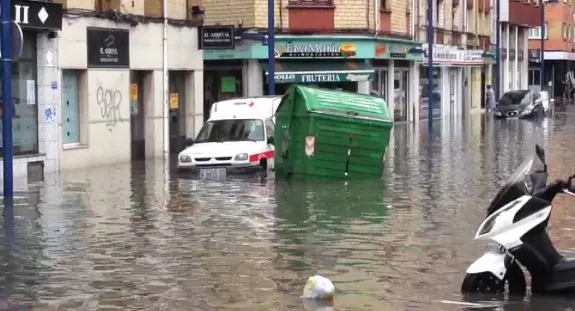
(318, 77)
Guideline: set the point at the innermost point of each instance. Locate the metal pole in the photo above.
(542, 56)
(8, 108)
(430, 62)
(166, 111)
(271, 49)
(497, 50)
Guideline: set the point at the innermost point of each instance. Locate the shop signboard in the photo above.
(217, 37)
(108, 47)
(40, 15)
(318, 77)
(318, 49)
(443, 54)
(392, 50)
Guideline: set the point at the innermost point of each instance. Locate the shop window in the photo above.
(71, 107)
(424, 92)
(384, 5)
(24, 99)
(221, 85)
(269, 128)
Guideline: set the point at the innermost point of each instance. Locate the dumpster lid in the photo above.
(344, 103)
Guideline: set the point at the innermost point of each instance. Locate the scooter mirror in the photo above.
(540, 153)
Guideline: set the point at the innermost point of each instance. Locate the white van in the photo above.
(238, 135)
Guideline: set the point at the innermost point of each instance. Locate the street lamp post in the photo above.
(497, 49)
(7, 109)
(271, 49)
(542, 40)
(430, 63)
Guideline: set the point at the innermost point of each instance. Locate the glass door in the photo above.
(452, 90)
(400, 80)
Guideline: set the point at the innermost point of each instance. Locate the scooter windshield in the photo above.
(514, 187)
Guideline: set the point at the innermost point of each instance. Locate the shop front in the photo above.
(32, 90)
(321, 61)
(361, 64)
(395, 63)
(459, 81)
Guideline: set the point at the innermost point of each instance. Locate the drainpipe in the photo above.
(376, 20)
(430, 64)
(271, 48)
(166, 111)
(7, 151)
(413, 19)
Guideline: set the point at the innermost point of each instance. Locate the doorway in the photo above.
(137, 119)
(400, 83)
(483, 87)
(177, 107)
(452, 90)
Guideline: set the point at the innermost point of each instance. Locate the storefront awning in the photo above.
(321, 71)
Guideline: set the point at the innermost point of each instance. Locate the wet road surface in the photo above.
(132, 238)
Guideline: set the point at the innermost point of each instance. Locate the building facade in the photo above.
(461, 55)
(363, 47)
(559, 36)
(88, 88)
(516, 18)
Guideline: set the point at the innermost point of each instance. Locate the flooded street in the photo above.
(131, 238)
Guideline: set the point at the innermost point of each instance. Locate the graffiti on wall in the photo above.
(110, 100)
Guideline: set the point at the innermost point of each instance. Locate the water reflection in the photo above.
(127, 237)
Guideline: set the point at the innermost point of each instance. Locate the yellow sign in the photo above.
(174, 101)
(133, 91)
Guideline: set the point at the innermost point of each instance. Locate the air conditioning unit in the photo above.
(194, 10)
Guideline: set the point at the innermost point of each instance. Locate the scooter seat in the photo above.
(566, 264)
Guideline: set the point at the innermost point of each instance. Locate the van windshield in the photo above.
(231, 130)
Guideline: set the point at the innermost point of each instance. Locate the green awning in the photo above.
(303, 72)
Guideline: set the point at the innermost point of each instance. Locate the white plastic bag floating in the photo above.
(318, 287)
(317, 305)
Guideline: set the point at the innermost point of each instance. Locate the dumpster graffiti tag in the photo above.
(285, 145)
(309, 145)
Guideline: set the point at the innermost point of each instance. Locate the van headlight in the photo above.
(185, 158)
(241, 157)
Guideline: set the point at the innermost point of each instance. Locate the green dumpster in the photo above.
(329, 133)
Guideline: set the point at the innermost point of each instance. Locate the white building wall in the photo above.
(109, 140)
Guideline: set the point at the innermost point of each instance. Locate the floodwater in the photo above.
(133, 238)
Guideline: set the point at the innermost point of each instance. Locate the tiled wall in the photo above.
(49, 99)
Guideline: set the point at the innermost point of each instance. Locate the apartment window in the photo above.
(565, 31)
(383, 5)
(535, 32)
(311, 2)
(72, 108)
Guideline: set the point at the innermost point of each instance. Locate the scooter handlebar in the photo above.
(568, 185)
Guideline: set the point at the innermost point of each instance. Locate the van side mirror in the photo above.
(189, 142)
(271, 140)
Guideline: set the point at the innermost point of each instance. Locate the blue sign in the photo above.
(54, 85)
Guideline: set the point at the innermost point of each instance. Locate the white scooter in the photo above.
(517, 221)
